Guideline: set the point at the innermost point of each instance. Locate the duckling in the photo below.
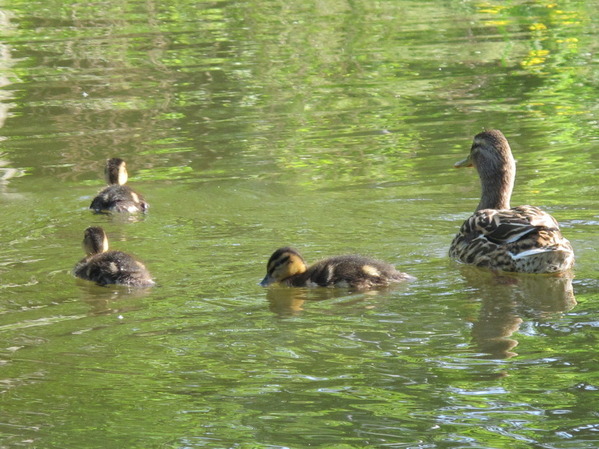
(286, 266)
(109, 267)
(118, 197)
(519, 239)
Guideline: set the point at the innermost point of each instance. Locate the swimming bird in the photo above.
(519, 239)
(118, 197)
(109, 267)
(287, 267)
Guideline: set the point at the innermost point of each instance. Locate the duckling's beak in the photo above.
(464, 163)
(266, 281)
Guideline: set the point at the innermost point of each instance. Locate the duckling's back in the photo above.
(350, 271)
(114, 267)
(118, 198)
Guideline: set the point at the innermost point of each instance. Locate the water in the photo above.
(332, 127)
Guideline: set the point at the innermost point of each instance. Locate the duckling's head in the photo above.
(115, 171)
(284, 263)
(95, 241)
(491, 155)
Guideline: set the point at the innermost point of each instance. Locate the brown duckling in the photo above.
(118, 197)
(520, 239)
(287, 267)
(109, 267)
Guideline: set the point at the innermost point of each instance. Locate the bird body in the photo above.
(118, 197)
(520, 239)
(287, 267)
(109, 267)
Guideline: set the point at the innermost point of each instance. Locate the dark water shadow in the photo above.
(507, 299)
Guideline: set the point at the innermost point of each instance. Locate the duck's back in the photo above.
(113, 267)
(118, 198)
(522, 239)
(349, 271)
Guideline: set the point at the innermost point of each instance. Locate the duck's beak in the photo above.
(266, 281)
(464, 163)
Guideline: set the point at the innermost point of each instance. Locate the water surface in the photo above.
(332, 127)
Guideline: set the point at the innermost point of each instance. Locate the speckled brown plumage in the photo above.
(520, 239)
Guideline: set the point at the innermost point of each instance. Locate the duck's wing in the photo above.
(524, 239)
(507, 226)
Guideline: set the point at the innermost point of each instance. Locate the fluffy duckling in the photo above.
(118, 197)
(520, 239)
(109, 267)
(287, 267)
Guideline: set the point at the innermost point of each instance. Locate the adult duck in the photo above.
(519, 239)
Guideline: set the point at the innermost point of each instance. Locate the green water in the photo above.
(330, 126)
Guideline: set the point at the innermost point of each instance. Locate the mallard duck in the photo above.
(520, 239)
(109, 267)
(286, 266)
(118, 197)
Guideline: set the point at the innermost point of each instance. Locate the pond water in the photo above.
(329, 126)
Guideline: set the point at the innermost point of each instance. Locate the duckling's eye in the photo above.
(281, 261)
(277, 263)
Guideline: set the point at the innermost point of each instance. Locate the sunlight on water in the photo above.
(330, 127)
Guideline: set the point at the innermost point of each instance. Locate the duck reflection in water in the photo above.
(111, 301)
(287, 302)
(506, 298)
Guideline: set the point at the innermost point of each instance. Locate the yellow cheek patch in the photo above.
(123, 175)
(135, 197)
(371, 271)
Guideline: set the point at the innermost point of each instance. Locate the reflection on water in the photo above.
(506, 298)
(121, 217)
(7, 173)
(109, 299)
(291, 301)
(253, 123)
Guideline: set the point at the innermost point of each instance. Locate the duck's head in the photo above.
(284, 263)
(115, 171)
(491, 155)
(490, 151)
(95, 241)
